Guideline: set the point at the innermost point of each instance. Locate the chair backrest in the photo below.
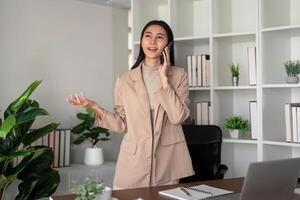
(204, 144)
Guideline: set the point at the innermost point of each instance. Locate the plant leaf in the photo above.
(18, 103)
(51, 178)
(82, 116)
(92, 135)
(36, 134)
(3, 181)
(30, 114)
(80, 139)
(90, 112)
(15, 154)
(78, 129)
(38, 179)
(7, 125)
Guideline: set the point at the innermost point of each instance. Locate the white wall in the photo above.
(66, 43)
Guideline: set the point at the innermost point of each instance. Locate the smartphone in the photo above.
(161, 54)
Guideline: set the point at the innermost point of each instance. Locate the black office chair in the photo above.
(204, 144)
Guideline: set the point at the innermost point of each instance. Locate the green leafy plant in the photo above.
(236, 122)
(87, 129)
(88, 190)
(292, 68)
(34, 171)
(234, 69)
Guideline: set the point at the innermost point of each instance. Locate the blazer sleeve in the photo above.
(115, 121)
(175, 101)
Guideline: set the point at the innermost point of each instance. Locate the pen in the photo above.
(185, 191)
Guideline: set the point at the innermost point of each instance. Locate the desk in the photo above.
(151, 193)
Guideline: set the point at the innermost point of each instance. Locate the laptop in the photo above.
(275, 179)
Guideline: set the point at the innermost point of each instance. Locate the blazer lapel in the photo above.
(141, 91)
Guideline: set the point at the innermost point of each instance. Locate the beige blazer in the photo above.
(162, 151)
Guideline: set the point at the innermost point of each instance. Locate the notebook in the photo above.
(193, 193)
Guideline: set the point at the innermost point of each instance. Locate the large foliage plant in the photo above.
(37, 178)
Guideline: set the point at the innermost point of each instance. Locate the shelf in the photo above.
(235, 88)
(281, 85)
(225, 30)
(198, 88)
(280, 28)
(178, 39)
(239, 141)
(220, 35)
(288, 144)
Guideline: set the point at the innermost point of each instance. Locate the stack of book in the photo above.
(204, 116)
(60, 141)
(198, 70)
(292, 122)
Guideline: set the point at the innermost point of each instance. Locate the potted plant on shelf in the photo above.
(87, 131)
(91, 189)
(19, 160)
(292, 69)
(235, 73)
(236, 124)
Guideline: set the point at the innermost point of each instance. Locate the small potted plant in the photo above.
(87, 131)
(236, 124)
(91, 189)
(292, 69)
(235, 73)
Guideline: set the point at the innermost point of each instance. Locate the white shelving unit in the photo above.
(224, 29)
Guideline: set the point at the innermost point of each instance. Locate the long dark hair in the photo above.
(170, 36)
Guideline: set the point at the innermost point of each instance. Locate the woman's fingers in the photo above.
(79, 100)
(74, 99)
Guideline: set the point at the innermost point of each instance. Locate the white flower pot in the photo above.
(93, 156)
(105, 195)
(234, 133)
(292, 79)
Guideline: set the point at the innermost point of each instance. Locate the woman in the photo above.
(151, 102)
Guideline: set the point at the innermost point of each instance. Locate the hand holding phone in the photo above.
(161, 54)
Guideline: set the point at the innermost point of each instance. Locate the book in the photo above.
(194, 70)
(288, 122)
(199, 113)
(298, 122)
(189, 69)
(56, 149)
(205, 113)
(252, 65)
(195, 192)
(61, 148)
(199, 71)
(205, 70)
(210, 116)
(67, 147)
(294, 124)
(253, 119)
